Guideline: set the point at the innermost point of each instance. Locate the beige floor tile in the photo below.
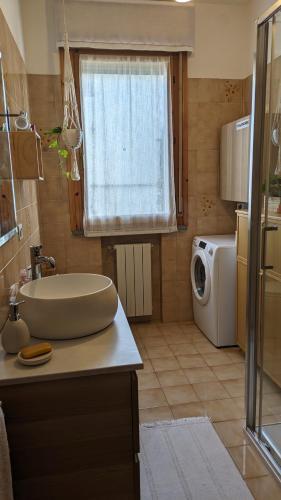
(208, 391)
(188, 410)
(205, 348)
(191, 361)
(179, 399)
(236, 355)
(235, 387)
(272, 403)
(137, 337)
(165, 364)
(232, 432)
(159, 351)
(154, 341)
(216, 359)
(145, 330)
(150, 398)
(170, 329)
(190, 328)
(269, 387)
(193, 351)
(148, 381)
(143, 352)
(147, 367)
(199, 337)
(155, 414)
(220, 410)
(249, 463)
(202, 374)
(178, 338)
(180, 394)
(171, 378)
(240, 403)
(179, 349)
(228, 372)
(134, 327)
(264, 488)
(271, 419)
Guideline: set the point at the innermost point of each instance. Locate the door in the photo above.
(269, 375)
(264, 276)
(200, 277)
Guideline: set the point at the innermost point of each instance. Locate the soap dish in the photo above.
(37, 360)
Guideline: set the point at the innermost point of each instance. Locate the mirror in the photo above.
(8, 225)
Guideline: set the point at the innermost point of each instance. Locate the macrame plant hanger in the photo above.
(71, 130)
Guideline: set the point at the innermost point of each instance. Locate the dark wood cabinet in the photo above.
(76, 438)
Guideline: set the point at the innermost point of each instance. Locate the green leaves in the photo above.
(56, 130)
(54, 144)
(63, 153)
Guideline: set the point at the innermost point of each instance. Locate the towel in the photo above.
(6, 489)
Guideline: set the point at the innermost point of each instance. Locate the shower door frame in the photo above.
(254, 302)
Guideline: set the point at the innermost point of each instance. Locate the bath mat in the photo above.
(185, 460)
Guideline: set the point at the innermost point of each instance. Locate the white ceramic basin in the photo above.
(68, 306)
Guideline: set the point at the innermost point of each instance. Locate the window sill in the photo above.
(80, 233)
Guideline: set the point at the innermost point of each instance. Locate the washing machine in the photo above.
(213, 277)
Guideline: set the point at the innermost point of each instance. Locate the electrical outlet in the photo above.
(20, 231)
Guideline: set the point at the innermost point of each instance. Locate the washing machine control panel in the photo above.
(197, 243)
(202, 244)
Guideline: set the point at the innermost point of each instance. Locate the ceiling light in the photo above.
(183, 1)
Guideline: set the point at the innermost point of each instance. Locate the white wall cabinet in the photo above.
(234, 160)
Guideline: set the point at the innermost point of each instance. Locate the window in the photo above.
(126, 118)
(131, 114)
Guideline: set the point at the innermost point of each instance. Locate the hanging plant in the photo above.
(68, 138)
(56, 144)
(71, 133)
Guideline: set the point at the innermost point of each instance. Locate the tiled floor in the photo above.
(184, 375)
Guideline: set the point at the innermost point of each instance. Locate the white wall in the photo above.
(224, 38)
(38, 20)
(12, 14)
(221, 41)
(256, 9)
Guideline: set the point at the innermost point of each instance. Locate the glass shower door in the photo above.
(263, 402)
(269, 355)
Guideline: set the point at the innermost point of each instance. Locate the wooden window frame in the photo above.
(179, 86)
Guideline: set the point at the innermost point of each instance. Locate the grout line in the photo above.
(19, 250)
(26, 206)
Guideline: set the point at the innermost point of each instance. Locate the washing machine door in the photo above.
(200, 277)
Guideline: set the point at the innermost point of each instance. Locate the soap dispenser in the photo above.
(15, 334)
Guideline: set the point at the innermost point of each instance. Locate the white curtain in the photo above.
(129, 169)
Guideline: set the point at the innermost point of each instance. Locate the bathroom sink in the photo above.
(67, 306)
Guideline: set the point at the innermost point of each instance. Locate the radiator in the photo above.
(134, 278)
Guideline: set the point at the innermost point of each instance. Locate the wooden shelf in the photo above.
(26, 154)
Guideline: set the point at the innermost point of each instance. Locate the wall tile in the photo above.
(207, 160)
(14, 255)
(212, 103)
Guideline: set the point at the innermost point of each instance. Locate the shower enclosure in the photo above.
(263, 401)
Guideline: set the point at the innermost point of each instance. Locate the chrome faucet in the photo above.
(36, 259)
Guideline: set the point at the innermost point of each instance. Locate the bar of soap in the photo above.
(36, 350)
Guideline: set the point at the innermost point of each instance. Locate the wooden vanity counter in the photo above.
(72, 423)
